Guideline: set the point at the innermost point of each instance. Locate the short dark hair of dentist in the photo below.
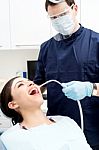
(5, 98)
(55, 2)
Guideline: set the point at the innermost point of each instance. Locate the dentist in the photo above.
(71, 55)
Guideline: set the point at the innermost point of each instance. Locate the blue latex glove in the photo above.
(77, 90)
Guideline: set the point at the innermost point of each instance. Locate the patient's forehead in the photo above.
(18, 80)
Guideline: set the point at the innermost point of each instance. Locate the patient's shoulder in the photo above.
(59, 118)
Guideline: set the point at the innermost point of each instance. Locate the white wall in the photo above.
(89, 14)
(12, 61)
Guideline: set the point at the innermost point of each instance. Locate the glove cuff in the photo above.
(90, 87)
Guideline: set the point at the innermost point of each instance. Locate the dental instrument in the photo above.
(49, 82)
(79, 104)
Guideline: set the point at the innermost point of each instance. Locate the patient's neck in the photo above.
(35, 119)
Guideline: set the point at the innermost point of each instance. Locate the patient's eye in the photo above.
(19, 85)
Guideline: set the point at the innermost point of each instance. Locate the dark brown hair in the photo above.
(5, 98)
(47, 3)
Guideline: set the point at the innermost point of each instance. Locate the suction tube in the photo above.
(49, 82)
(78, 102)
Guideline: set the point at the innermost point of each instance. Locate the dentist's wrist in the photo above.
(95, 89)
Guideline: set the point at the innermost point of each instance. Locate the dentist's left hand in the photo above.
(77, 90)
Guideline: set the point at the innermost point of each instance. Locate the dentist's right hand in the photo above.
(77, 90)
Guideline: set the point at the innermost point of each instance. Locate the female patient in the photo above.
(21, 100)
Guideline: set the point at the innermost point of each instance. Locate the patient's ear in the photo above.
(13, 105)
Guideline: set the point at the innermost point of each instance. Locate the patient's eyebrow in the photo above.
(17, 83)
(20, 82)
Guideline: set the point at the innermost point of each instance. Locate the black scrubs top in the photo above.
(68, 59)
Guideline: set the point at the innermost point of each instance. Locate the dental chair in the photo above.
(2, 147)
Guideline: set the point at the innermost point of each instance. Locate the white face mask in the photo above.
(64, 24)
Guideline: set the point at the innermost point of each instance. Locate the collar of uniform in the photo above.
(59, 37)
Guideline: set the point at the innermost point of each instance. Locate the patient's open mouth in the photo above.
(33, 91)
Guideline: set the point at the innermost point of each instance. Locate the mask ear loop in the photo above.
(72, 6)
